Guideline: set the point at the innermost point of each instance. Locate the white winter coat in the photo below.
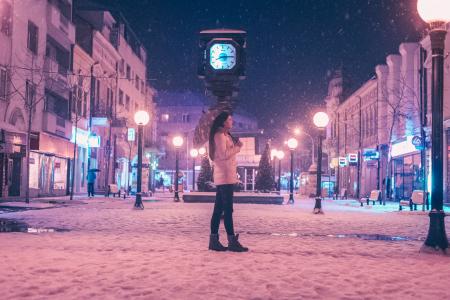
(225, 166)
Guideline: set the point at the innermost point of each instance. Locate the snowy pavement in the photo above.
(115, 252)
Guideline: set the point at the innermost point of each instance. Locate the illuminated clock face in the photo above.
(222, 56)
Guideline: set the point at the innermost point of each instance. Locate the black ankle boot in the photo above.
(234, 245)
(214, 243)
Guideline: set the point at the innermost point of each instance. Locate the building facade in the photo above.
(63, 67)
(375, 135)
(179, 114)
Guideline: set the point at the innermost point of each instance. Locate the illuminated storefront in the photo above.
(49, 165)
(407, 174)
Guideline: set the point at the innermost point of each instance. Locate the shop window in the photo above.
(59, 173)
(34, 170)
(32, 40)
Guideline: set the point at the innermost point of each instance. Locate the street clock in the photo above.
(222, 55)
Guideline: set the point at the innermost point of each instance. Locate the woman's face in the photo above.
(228, 124)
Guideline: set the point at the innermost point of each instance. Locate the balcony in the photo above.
(59, 27)
(54, 124)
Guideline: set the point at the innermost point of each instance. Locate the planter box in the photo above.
(250, 198)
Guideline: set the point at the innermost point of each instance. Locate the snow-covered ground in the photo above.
(114, 252)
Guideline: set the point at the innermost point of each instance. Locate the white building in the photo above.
(71, 73)
(384, 116)
(36, 39)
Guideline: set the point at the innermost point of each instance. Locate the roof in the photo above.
(187, 98)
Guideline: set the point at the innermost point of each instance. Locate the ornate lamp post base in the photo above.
(138, 203)
(437, 238)
(318, 206)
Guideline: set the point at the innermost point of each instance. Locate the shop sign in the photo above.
(84, 139)
(417, 142)
(334, 162)
(352, 159)
(403, 148)
(131, 134)
(97, 121)
(342, 161)
(370, 154)
(94, 141)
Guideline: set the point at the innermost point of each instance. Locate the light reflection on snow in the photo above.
(362, 236)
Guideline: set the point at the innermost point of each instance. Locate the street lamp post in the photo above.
(292, 145)
(299, 131)
(177, 142)
(273, 156)
(280, 156)
(141, 118)
(320, 120)
(194, 154)
(437, 14)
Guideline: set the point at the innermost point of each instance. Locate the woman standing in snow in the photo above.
(222, 151)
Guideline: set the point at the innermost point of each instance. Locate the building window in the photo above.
(32, 40)
(128, 72)
(136, 84)
(30, 93)
(142, 87)
(56, 105)
(5, 18)
(186, 118)
(85, 104)
(120, 97)
(3, 83)
(127, 102)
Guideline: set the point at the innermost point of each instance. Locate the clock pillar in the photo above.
(222, 63)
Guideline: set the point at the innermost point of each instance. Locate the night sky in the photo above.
(292, 45)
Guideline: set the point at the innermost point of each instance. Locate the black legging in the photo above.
(224, 203)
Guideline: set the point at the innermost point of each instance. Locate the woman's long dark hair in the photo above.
(218, 123)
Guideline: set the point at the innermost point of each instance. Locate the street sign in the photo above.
(371, 154)
(131, 134)
(342, 161)
(352, 159)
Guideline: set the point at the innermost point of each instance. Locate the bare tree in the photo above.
(31, 94)
(75, 83)
(399, 111)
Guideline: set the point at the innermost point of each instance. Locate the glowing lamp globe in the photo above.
(273, 153)
(297, 131)
(194, 153)
(434, 11)
(202, 151)
(321, 119)
(178, 141)
(280, 154)
(292, 143)
(141, 117)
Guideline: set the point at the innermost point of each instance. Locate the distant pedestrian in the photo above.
(161, 183)
(91, 176)
(222, 150)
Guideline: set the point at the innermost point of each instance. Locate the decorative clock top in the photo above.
(222, 56)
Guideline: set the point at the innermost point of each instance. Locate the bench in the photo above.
(114, 190)
(374, 196)
(416, 199)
